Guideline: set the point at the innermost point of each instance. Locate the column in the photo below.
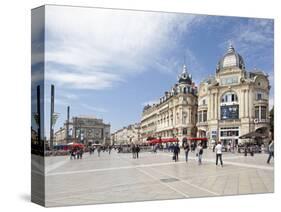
(209, 107)
(250, 104)
(247, 103)
(241, 103)
(216, 105)
(180, 115)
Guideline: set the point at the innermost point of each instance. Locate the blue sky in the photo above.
(110, 63)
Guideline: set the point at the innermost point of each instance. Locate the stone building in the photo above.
(127, 135)
(233, 102)
(60, 136)
(175, 114)
(90, 130)
(84, 129)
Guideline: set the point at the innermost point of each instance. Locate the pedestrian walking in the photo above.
(137, 151)
(214, 145)
(72, 155)
(99, 150)
(81, 151)
(218, 150)
(199, 153)
(176, 152)
(186, 148)
(133, 151)
(270, 151)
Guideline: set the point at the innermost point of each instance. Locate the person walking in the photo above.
(81, 153)
(214, 145)
(218, 150)
(199, 153)
(270, 151)
(99, 150)
(137, 151)
(176, 152)
(72, 154)
(134, 151)
(186, 148)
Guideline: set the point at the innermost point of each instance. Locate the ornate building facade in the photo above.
(234, 102)
(90, 130)
(127, 135)
(175, 114)
(84, 129)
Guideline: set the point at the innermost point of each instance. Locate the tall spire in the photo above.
(230, 47)
(184, 70)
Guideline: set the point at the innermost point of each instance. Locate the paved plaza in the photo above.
(154, 176)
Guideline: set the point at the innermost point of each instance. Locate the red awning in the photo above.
(197, 139)
(167, 140)
(163, 140)
(76, 145)
(154, 141)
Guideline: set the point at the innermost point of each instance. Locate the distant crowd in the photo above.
(218, 148)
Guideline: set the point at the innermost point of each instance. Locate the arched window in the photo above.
(229, 97)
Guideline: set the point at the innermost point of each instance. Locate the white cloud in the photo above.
(253, 32)
(79, 80)
(103, 46)
(96, 109)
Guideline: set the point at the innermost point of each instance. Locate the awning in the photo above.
(197, 139)
(253, 135)
(76, 145)
(167, 140)
(163, 140)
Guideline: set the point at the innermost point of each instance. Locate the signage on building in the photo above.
(229, 112)
(214, 134)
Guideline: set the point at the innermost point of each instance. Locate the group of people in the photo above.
(199, 152)
(218, 149)
(76, 153)
(100, 149)
(135, 151)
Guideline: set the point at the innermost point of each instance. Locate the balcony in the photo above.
(202, 107)
(230, 121)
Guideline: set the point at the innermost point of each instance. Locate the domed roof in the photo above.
(184, 77)
(231, 59)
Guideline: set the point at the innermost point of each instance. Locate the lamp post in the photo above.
(53, 117)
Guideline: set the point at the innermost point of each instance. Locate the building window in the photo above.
(229, 97)
(260, 112)
(184, 131)
(259, 96)
(257, 112)
(263, 112)
(204, 115)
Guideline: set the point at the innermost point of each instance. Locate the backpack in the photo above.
(200, 151)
